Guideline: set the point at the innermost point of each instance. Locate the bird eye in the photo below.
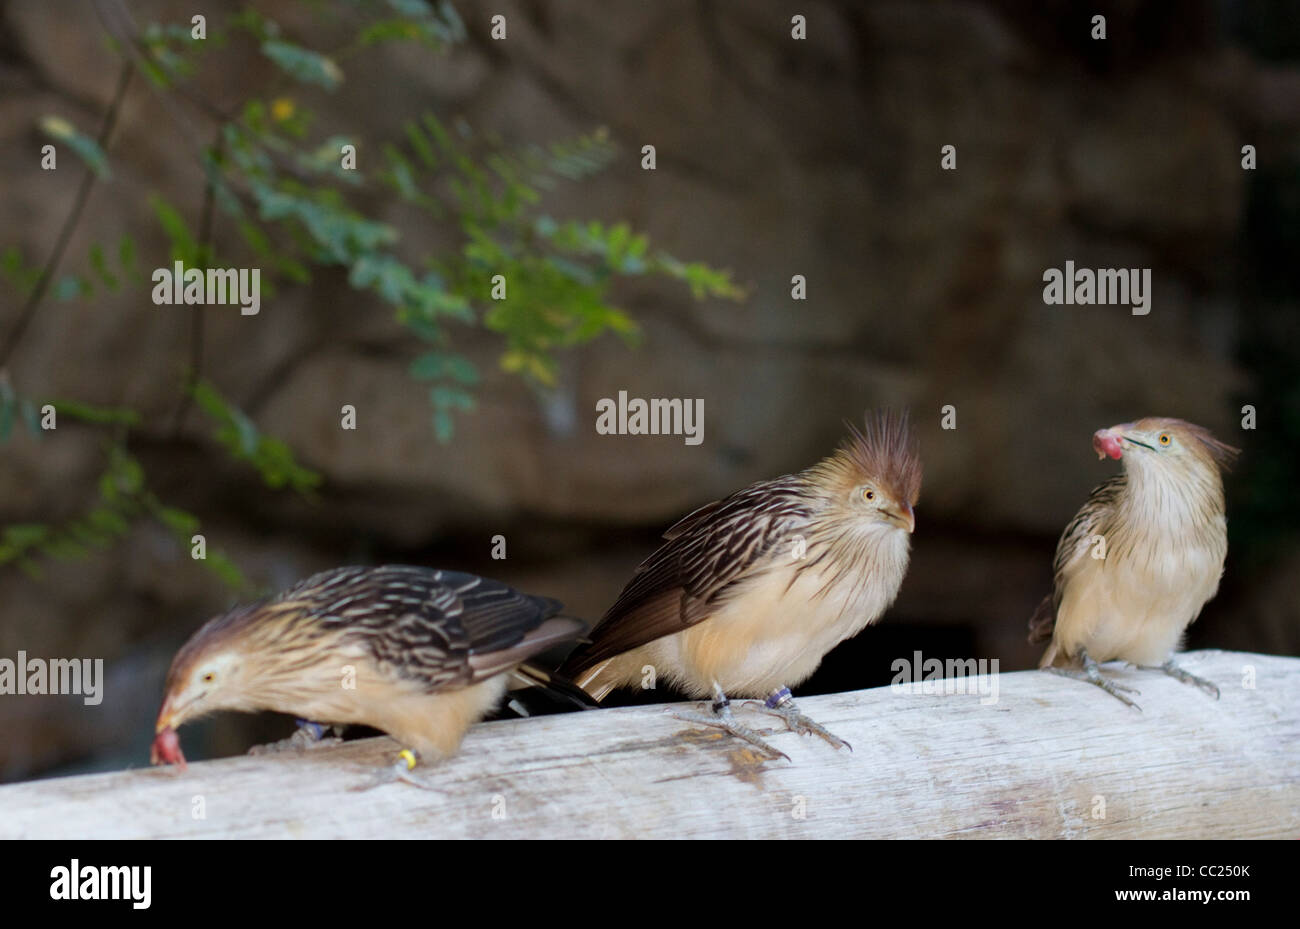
(868, 494)
(1164, 438)
(209, 677)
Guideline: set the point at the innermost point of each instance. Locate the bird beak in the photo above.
(166, 716)
(1110, 441)
(1121, 433)
(904, 517)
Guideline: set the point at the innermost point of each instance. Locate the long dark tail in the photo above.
(541, 692)
(1043, 623)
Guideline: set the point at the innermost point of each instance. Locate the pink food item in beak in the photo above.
(1105, 442)
(167, 749)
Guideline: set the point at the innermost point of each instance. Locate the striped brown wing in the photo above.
(704, 556)
(1075, 544)
(442, 629)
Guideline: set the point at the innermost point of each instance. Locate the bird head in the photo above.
(874, 478)
(211, 672)
(1163, 443)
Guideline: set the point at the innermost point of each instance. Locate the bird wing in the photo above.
(704, 556)
(441, 629)
(1075, 545)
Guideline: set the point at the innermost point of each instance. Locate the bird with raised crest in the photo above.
(747, 594)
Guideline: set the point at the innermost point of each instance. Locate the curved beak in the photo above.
(1133, 441)
(169, 715)
(903, 516)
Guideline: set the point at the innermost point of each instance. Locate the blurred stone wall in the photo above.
(775, 158)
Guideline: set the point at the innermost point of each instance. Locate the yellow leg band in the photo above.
(409, 757)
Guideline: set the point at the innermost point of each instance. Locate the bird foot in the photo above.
(400, 772)
(1187, 677)
(722, 719)
(1092, 674)
(307, 736)
(796, 721)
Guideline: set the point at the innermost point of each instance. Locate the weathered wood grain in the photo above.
(1051, 758)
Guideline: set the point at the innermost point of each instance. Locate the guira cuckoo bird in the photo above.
(747, 594)
(1144, 555)
(421, 654)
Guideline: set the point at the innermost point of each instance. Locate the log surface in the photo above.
(1051, 758)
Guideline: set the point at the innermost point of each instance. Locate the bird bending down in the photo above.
(748, 594)
(1143, 556)
(418, 653)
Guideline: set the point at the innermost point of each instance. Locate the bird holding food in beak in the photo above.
(1142, 557)
(421, 654)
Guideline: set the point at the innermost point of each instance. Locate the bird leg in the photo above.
(723, 719)
(780, 703)
(308, 735)
(401, 772)
(1187, 677)
(1092, 674)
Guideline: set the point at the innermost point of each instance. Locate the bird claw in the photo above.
(306, 736)
(400, 772)
(1092, 675)
(796, 721)
(1186, 677)
(723, 720)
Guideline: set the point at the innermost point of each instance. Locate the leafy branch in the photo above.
(304, 204)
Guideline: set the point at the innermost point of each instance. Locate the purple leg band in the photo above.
(777, 698)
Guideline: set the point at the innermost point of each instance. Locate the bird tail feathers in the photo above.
(555, 686)
(1043, 623)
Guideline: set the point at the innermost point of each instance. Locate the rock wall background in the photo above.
(774, 158)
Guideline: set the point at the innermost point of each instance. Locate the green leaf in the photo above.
(86, 148)
(184, 248)
(33, 422)
(179, 521)
(225, 569)
(126, 260)
(108, 521)
(127, 474)
(413, 8)
(439, 365)
(100, 266)
(257, 239)
(303, 64)
(63, 548)
(272, 458)
(390, 30)
(25, 535)
(99, 415)
(447, 400)
(7, 404)
(70, 287)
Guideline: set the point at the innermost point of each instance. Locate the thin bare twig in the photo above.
(28, 311)
(207, 215)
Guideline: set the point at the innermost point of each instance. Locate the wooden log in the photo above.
(1050, 758)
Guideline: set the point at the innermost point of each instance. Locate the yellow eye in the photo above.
(209, 677)
(868, 494)
(1164, 438)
